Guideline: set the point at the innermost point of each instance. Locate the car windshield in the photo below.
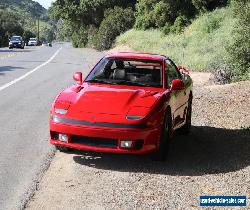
(15, 38)
(134, 72)
(32, 39)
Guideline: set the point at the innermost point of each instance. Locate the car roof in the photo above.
(133, 55)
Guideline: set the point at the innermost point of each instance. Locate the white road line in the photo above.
(30, 72)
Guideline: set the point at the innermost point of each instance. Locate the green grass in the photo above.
(201, 46)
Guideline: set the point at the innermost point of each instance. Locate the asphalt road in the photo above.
(29, 81)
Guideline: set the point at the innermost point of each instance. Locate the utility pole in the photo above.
(38, 30)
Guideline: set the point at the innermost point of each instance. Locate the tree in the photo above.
(116, 21)
(27, 35)
(9, 25)
(239, 50)
(208, 5)
(83, 17)
(85, 12)
(158, 13)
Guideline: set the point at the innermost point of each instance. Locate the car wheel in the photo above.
(166, 135)
(185, 129)
(63, 149)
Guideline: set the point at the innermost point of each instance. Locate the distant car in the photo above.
(45, 43)
(33, 42)
(16, 42)
(129, 103)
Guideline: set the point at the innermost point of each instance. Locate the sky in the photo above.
(45, 3)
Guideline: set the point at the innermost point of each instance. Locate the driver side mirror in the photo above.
(177, 84)
(78, 78)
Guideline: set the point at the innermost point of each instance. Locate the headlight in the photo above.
(134, 117)
(61, 107)
(61, 111)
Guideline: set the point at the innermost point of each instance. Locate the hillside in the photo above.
(202, 46)
(199, 47)
(34, 9)
(21, 18)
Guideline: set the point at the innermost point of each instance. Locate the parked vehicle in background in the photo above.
(129, 103)
(33, 42)
(16, 42)
(46, 43)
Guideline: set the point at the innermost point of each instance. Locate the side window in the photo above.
(171, 72)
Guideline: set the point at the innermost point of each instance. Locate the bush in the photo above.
(116, 21)
(161, 13)
(80, 37)
(179, 24)
(239, 50)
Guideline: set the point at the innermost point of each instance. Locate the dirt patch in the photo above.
(121, 48)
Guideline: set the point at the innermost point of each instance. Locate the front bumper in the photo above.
(15, 45)
(145, 140)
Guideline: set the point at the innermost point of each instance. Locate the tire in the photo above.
(166, 135)
(63, 149)
(185, 129)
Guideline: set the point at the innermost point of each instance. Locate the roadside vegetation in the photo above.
(204, 35)
(20, 17)
(200, 46)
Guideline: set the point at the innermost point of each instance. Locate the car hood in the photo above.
(115, 100)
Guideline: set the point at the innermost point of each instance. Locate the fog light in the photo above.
(63, 137)
(126, 144)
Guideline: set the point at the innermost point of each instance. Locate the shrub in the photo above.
(80, 37)
(179, 24)
(239, 50)
(116, 21)
(159, 13)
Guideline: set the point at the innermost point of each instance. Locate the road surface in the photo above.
(29, 81)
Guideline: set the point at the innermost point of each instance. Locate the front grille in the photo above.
(93, 141)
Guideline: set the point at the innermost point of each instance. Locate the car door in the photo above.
(178, 97)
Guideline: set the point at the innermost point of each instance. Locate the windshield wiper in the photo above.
(100, 81)
(133, 83)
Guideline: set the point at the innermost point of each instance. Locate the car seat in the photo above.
(119, 74)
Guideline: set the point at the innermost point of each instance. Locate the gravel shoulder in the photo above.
(213, 160)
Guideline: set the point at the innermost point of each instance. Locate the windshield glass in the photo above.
(15, 38)
(127, 72)
(32, 39)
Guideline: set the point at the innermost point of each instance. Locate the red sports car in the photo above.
(129, 103)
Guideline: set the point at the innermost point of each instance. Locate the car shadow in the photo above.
(4, 69)
(206, 150)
